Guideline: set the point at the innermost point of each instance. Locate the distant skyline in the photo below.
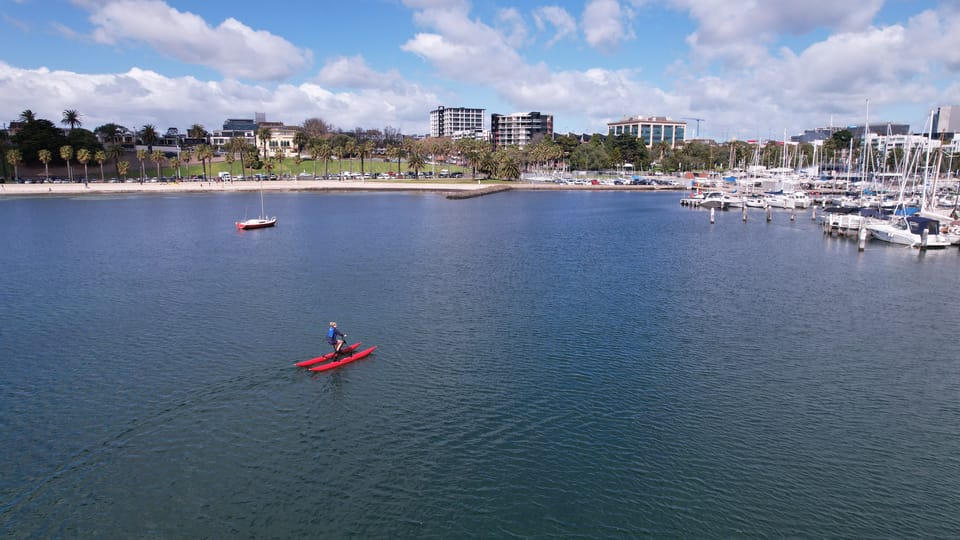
(749, 69)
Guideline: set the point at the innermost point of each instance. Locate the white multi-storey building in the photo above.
(651, 129)
(520, 129)
(947, 120)
(456, 122)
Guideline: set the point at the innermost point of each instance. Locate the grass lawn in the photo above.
(290, 167)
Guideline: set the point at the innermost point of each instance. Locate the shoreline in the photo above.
(96, 188)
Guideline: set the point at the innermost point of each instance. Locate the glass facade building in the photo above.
(652, 129)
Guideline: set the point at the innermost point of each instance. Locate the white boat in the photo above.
(713, 199)
(800, 199)
(261, 222)
(755, 201)
(732, 201)
(909, 231)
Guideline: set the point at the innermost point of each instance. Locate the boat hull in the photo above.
(355, 356)
(256, 224)
(325, 357)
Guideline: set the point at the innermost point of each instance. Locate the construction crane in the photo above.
(698, 120)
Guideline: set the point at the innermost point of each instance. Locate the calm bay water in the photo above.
(550, 364)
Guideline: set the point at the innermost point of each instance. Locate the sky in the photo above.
(747, 69)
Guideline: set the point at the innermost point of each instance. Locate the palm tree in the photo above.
(122, 168)
(15, 158)
(100, 156)
(278, 157)
(416, 162)
(186, 156)
(508, 167)
(157, 157)
(325, 154)
(71, 118)
(115, 152)
(83, 156)
(66, 153)
(301, 140)
(263, 135)
(142, 156)
(349, 148)
(364, 149)
(45, 157)
(149, 136)
(197, 131)
(314, 148)
(28, 116)
(204, 152)
(175, 164)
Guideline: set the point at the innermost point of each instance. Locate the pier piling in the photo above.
(862, 238)
(712, 218)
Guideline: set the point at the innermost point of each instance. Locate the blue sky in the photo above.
(748, 68)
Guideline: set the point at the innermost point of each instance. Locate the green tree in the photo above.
(264, 135)
(66, 154)
(71, 118)
(186, 156)
(364, 149)
(349, 149)
(142, 156)
(325, 154)
(396, 151)
(415, 160)
(157, 157)
(115, 152)
(197, 131)
(100, 157)
(46, 157)
(122, 168)
(205, 153)
(36, 135)
(15, 158)
(83, 156)
(110, 133)
(28, 116)
(149, 136)
(508, 165)
(300, 141)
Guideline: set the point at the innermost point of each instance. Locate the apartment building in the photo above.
(520, 129)
(456, 122)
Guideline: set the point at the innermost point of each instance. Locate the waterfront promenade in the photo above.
(96, 188)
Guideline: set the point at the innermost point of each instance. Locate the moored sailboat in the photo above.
(261, 222)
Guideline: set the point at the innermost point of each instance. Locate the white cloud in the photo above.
(897, 68)
(605, 24)
(513, 26)
(462, 49)
(140, 97)
(742, 33)
(353, 72)
(231, 48)
(563, 23)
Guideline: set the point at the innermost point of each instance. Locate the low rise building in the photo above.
(650, 129)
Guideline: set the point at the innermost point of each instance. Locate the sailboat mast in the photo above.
(926, 167)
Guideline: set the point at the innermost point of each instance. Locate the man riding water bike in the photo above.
(335, 338)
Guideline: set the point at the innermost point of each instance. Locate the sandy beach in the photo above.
(96, 188)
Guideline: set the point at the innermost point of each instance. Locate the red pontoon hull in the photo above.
(329, 355)
(355, 356)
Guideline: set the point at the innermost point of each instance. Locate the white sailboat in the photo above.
(260, 222)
